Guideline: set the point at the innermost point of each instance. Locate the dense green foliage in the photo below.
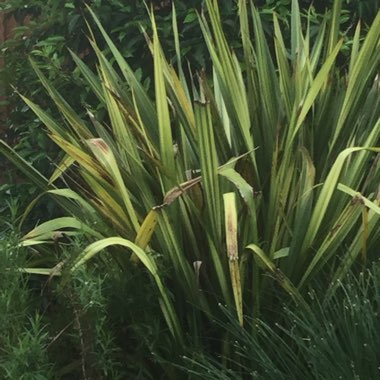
(335, 340)
(252, 184)
(23, 338)
(54, 331)
(47, 28)
(64, 332)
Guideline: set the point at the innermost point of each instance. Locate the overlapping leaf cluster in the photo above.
(270, 166)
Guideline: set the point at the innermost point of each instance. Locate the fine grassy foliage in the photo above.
(269, 166)
(335, 340)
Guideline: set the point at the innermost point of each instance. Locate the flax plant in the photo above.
(285, 128)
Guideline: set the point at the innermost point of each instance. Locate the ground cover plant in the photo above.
(335, 340)
(253, 184)
(53, 331)
(23, 337)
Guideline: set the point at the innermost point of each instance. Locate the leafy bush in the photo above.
(47, 29)
(26, 358)
(222, 187)
(86, 328)
(23, 336)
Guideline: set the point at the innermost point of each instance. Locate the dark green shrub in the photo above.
(26, 358)
(91, 334)
(54, 332)
(23, 334)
